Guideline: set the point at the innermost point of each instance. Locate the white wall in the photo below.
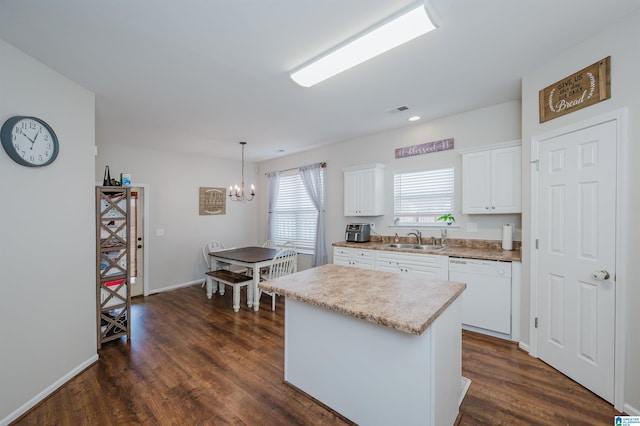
(498, 123)
(621, 43)
(47, 239)
(173, 189)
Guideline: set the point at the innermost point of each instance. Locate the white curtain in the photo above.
(273, 179)
(313, 179)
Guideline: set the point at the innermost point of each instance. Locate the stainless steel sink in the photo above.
(415, 247)
(428, 247)
(402, 246)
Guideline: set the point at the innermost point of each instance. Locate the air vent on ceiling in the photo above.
(398, 109)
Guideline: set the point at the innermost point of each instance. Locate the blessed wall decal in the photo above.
(425, 148)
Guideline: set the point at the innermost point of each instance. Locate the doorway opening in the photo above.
(138, 227)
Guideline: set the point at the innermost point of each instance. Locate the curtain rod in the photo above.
(324, 166)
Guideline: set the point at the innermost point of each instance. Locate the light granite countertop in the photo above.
(470, 249)
(402, 302)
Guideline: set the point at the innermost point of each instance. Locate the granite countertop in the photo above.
(402, 302)
(470, 249)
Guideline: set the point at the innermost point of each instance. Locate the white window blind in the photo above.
(294, 216)
(421, 197)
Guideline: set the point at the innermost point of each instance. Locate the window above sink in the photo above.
(419, 198)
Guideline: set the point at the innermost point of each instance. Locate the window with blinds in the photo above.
(294, 216)
(422, 197)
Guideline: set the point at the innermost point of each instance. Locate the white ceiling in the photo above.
(197, 76)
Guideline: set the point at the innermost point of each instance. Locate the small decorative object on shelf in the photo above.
(106, 181)
(448, 218)
(125, 179)
(113, 292)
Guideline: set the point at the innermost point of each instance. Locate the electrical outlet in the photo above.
(373, 225)
(472, 227)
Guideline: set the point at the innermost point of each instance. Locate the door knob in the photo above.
(600, 275)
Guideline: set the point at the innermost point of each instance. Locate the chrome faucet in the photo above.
(418, 235)
(443, 237)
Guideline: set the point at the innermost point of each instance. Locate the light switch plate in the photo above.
(472, 227)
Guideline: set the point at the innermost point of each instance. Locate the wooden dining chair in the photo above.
(284, 263)
(211, 246)
(289, 245)
(270, 244)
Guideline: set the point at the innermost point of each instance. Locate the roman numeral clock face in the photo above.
(29, 141)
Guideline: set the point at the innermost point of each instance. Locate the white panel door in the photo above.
(576, 222)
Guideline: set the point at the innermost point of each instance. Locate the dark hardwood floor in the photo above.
(193, 361)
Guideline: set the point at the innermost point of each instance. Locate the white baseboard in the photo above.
(487, 332)
(175, 286)
(631, 410)
(465, 387)
(48, 391)
(524, 347)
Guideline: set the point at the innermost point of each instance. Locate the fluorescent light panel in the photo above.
(404, 28)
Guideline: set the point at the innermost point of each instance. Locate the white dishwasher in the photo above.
(486, 302)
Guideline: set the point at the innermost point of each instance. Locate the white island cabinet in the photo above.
(392, 360)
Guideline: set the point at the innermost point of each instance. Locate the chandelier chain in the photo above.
(239, 194)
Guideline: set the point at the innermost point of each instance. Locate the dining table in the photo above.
(254, 258)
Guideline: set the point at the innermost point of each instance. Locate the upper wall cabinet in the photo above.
(364, 190)
(491, 179)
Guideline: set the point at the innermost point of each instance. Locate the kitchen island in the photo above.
(376, 347)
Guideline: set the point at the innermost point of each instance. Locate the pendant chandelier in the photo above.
(237, 193)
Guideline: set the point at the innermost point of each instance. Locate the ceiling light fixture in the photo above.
(414, 118)
(380, 39)
(238, 193)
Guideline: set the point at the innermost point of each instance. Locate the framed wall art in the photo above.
(586, 87)
(212, 201)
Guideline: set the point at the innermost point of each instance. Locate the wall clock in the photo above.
(29, 141)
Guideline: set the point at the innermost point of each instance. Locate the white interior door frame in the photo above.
(620, 116)
(145, 230)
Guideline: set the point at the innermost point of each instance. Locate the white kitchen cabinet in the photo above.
(357, 258)
(491, 179)
(433, 266)
(364, 190)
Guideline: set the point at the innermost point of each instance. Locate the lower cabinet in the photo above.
(434, 266)
(491, 305)
(363, 259)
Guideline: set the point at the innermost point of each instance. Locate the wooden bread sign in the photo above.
(582, 89)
